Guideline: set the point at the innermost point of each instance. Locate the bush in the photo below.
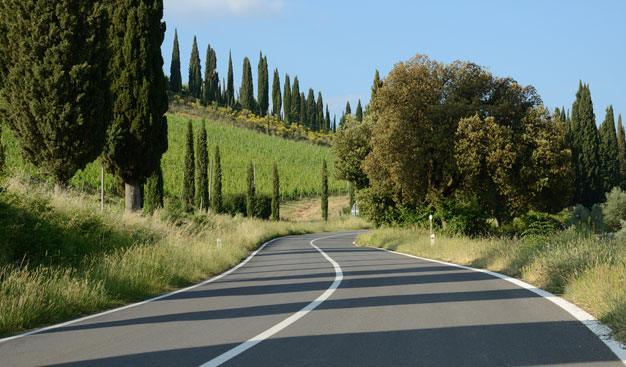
(236, 204)
(614, 209)
(535, 223)
(465, 218)
(579, 217)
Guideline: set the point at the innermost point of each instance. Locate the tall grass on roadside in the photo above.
(586, 269)
(112, 259)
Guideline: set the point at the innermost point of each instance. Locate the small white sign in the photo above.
(355, 210)
(219, 243)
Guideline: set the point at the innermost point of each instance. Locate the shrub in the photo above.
(535, 223)
(614, 209)
(236, 204)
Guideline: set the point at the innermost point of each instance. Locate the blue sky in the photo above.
(336, 46)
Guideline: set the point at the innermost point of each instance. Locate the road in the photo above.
(362, 307)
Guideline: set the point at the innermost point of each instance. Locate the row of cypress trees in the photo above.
(598, 154)
(83, 79)
(296, 107)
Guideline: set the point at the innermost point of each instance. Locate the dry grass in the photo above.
(309, 209)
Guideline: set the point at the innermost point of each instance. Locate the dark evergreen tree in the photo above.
(137, 136)
(230, 86)
(195, 71)
(153, 191)
(287, 99)
(334, 123)
(246, 92)
(54, 94)
(275, 194)
(327, 126)
(311, 110)
(303, 113)
(211, 88)
(176, 81)
(216, 188)
(348, 109)
(320, 125)
(621, 151)
(376, 85)
(350, 195)
(583, 140)
(295, 101)
(202, 170)
(188, 172)
(251, 192)
(276, 97)
(359, 112)
(609, 161)
(263, 87)
(324, 191)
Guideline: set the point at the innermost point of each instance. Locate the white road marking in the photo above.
(288, 321)
(602, 331)
(217, 277)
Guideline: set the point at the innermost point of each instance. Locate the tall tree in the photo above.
(153, 191)
(230, 84)
(263, 86)
(609, 153)
(251, 192)
(55, 90)
(246, 92)
(287, 99)
(320, 125)
(195, 71)
(216, 187)
(211, 88)
(188, 172)
(324, 191)
(137, 137)
(295, 101)
(202, 170)
(303, 113)
(311, 110)
(584, 142)
(359, 112)
(276, 97)
(176, 81)
(348, 109)
(327, 126)
(275, 194)
(621, 149)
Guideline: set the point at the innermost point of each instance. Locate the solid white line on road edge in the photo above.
(217, 277)
(602, 331)
(288, 321)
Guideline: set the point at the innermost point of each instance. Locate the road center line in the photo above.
(288, 321)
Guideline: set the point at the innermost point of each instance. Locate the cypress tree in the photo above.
(621, 151)
(216, 194)
(303, 112)
(263, 87)
(585, 150)
(287, 99)
(376, 85)
(188, 173)
(55, 91)
(320, 113)
(176, 81)
(335, 123)
(295, 101)
(275, 194)
(230, 86)
(246, 92)
(327, 126)
(311, 110)
(153, 191)
(359, 112)
(211, 89)
(276, 97)
(609, 161)
(348, 109)
(202, 170)
(137, 137)
(250, 193)
(324, 191)
(195, 72)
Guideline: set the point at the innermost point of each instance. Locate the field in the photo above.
(299, 163)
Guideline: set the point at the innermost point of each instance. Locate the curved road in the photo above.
(388, 310)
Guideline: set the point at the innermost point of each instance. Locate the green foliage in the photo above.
(246, 92)
(597, 219)
(303, 111)
(621, 151)
(465, 218)
(230, 86)
(55, 91)
(216, 194)
(311, 111)
(614, 209)
(188, 174)
(263, 86)
(351, 147)
(202, 173)
(276, 97)
(176, 80)
(211, 89)
(320, 124)
(287, 99)
(295, 101)
(275, 193)
(535, 223)
(609, 152)
(359, 112)
(250, 192)
(153, 192)
(237, 204)
(195, 71)
(348, 109)
(324, 201)
(580, 218)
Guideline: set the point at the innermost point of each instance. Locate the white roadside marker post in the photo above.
(219, 243)
(432, 235)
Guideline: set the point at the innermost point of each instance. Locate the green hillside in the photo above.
(299, 163)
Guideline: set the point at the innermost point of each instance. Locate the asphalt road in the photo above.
(388, 310)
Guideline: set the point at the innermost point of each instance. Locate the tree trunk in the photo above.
(132, 193)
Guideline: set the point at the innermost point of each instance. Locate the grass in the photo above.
(62, 257)
(585, 269)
